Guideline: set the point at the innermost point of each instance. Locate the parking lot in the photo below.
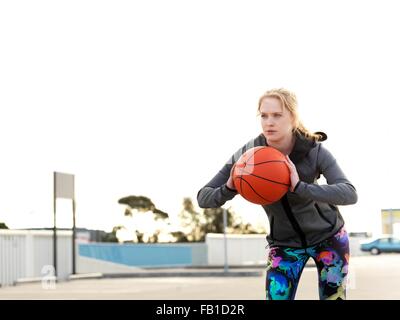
(371, 277)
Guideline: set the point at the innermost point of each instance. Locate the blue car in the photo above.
(386, 244)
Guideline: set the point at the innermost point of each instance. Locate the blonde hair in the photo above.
(289, 101)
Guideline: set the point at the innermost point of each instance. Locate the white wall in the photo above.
(250, 249)
(242, 249)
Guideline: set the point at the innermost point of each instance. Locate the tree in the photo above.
(139, 236)
(180, 236)
(191, 221)
(154, 237)
(196, 224)
(111, 236)
(215, 220)
(141, 204)
(3, 225)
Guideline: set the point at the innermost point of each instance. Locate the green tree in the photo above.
(196, 224)
(139, 236)
(191, 221)
(3, 225)
(142, 204)
(111, 236)
(154, 237)
(215, 220)
(180, 236)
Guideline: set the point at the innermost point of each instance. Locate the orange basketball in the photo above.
(261, 175)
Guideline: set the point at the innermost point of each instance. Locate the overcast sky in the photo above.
(152, 98)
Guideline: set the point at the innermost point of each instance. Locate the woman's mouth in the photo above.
(271, 131)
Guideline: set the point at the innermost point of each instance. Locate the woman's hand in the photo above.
(229, 183)
(294, 176)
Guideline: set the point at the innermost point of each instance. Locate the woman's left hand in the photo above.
(294, 176)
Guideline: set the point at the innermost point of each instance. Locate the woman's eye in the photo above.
(275, 115)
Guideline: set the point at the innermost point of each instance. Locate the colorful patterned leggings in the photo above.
(285, 266)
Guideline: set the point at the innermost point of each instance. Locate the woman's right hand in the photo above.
(229, 183)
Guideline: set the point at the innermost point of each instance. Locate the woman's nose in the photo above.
(270, 122)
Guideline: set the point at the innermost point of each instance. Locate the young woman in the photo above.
(306, 221)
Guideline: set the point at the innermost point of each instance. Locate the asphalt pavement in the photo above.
(370, 277)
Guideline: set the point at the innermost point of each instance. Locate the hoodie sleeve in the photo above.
(215, 193)
(338, 191)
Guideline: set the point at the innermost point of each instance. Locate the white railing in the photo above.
(29, 254)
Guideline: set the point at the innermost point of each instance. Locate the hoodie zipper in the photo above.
(293, 221)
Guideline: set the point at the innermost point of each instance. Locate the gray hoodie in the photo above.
(309, 214)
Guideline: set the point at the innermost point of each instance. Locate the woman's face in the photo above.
(276, 120)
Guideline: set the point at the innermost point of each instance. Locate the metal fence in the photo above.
(29, 254)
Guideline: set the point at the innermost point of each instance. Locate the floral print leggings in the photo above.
(285, 265)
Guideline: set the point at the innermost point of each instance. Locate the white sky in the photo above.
(152, 97)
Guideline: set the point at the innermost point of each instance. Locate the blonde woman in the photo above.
(306, 222)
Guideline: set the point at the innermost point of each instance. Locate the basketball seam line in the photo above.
(269, 161)
(254, 175)
(255, 153)
(243, 179)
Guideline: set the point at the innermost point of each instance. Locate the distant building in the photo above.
(82, 234)
(390, 221)
(360, 234)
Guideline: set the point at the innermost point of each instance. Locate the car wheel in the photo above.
(375, 251)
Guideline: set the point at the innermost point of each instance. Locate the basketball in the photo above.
(261, 175)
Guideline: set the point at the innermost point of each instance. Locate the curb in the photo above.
(183, 274)
(27, 280)
(85, 276)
